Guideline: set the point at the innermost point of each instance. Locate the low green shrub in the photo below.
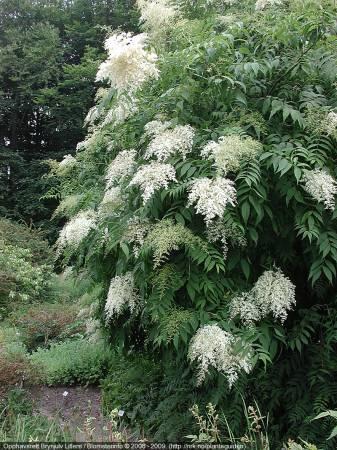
(22, 236)
(15, 366)
(155, 400)
(46, 322)
(17, 402)
(71, 361)
(25, 265)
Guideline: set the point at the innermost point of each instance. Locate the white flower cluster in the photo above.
(67, 205)
(167, 142)
(212, 196)
(156, 127)
(122, 110)
(122, 166)
(67, 163)
(273, 293)
(122, 294)
(260, 5)
(90, 141)
(224, 232)
(128, 65)
(331, 123)
(230, 151)
(112, 200)
(152, 177)
(92, 329)
(68, 160)
(213, 347)
(76, 229)
(321, 186)
(215, 231)
(136, 232)
(157, 15)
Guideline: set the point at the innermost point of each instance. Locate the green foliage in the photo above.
(49, 55)
(71, 361)
(20, 235)
(25, 260)
(39, 325)
(17, 424)
(256, 74)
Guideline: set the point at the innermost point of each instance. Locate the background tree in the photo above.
(49, 54)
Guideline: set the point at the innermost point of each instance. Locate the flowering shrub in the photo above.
(225, 231)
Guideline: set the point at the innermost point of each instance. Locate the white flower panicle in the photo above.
(212, 196)
(113, 197)
(273, 293)
(122, 294)
(331, 122)
(243, 306)
(136, 232)
(321, 186)
(67, 205)
(92, 115)
(230, 151)
(152, 177)
(121, 167)
(90, 141)
(215, 231)
(260, 5)
(91, 326)
(157, 15)
(67, 163)
(213, 347)
(168, 142)
(76, 229)
(129, 64)
(68, 160)
(156, 127)
(124, 108)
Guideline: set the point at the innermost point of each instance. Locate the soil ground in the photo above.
(76, 409)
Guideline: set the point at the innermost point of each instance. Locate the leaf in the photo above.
(125, 249)
(333, 433)
(245, 268)
(245, 211)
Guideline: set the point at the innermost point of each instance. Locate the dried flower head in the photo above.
(112, 201)
(166, 236)
(213, 347)
(152, 177)
(67, 206)
(212, 196)
(321, 186)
